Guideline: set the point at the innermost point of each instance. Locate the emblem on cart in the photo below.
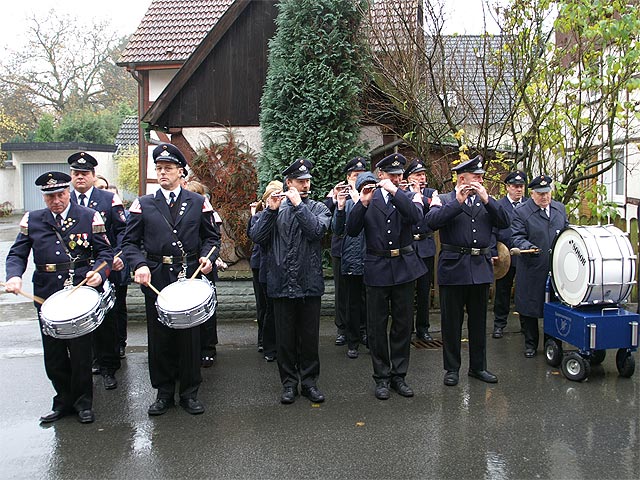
(563, 325)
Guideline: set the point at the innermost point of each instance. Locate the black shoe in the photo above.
(352, 353)
(451, 379)
(483, 375)
(206, 362)
(270, 357)
(122, 351)
(52, 416)
(340, 340)
(313, 394)
(497, 332)
(95, 369)
(402, 388)
(382, 391)
(109, 381)
(364, 340)
(529, 353)
(260, 348)
(289, 395)
(424, 337)
(160, 406)
(192, 406)
(86, 416)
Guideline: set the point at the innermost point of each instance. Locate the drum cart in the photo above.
(593, 331)
(592, 273)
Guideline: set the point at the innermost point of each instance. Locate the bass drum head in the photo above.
(570, 267)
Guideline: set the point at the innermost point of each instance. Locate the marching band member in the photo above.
(178, 230)
(65, 239)
(293, 226)
(391, 267)
(465, 221)
(535, 226)
(83, 178)
(425, 247)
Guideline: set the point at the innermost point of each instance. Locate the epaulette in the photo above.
(135, 207)
(24, 224)
(116, 202)
(97, 225)
(206, 206)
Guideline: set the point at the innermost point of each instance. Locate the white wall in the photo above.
(9, 186)
(158, 80)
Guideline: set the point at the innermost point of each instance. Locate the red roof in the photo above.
(172, 29)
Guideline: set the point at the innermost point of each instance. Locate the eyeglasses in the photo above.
(166, 169)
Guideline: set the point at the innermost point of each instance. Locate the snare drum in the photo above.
(71, 317)
(592, 265)
(186, 303)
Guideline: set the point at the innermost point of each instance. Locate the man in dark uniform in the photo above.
(353, 167)
(66, 240)
(293, 230)
(425, 247)
(535, 226)
(83, 177)
(465, 221)
(391, 267)
(178, 231)
(515, 182)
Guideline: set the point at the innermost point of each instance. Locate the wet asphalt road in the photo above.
(533, 424)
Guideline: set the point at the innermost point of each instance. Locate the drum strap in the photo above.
(69, 281)
(183, 272)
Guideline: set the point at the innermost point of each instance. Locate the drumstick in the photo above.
(35, 298)
(100, 267)
(155, 290)
(202, 264)
(517, 251)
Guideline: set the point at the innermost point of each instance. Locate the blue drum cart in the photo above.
(592, 273)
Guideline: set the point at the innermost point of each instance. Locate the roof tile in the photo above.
(172, 29)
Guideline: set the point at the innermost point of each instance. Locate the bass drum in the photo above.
(592, 265)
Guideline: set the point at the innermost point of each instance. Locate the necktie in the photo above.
(82, 198)
(172, 199)
(515, 204)
(546, 213)
(470, 201)
(59, 220)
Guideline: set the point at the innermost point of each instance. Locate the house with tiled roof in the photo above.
(200, 65)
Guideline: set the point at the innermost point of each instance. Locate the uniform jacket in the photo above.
(504, 235)
(387, 226)
(427, 246)
(531, 227)
(83, 235)
(150, 222)
(336, 239)
(464, 226)
(292, 237)
(110, 207)
(353, 248)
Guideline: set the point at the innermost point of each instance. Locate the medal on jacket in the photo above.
(72, 242)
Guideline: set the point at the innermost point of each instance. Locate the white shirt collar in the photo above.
(166, 193)
(87, 194)
(64, 213)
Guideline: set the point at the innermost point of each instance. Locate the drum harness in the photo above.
(185, 256)
(74, 260)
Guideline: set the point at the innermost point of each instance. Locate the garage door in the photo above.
(31, 171)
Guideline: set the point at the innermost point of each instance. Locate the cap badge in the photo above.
(82, 161)
(52, 181)
(518, 177)
(395, 163)
(543, 182)
(302, 168)
(164, 153)
(359, 164)
(479, 164)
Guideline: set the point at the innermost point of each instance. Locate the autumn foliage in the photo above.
(228, 169)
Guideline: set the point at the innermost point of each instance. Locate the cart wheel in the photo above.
(625, 362)
(553, 352)
(598, 356)
(575, 368)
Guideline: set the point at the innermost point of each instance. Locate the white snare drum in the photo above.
(71, 317)
(186, 303)
(592, 265)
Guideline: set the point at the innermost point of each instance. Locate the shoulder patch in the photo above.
(216, 217)
(135, 207)
(97, 225)
(206, 206)
(24, 224)
(116, 202)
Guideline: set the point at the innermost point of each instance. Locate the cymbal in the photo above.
(502, 265)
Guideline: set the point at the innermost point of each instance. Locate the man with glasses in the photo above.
(178, 230)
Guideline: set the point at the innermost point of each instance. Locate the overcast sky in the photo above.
(125, 15)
